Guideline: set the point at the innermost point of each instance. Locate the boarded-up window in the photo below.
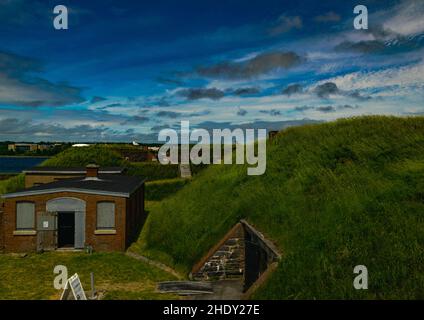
(25, 216)
(105, 215)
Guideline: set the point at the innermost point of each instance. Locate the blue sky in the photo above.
(125, 69)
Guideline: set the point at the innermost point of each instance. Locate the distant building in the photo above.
(27, 147)
(102, 211)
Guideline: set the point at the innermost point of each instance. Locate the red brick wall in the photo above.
(103, 242)
(135, 215)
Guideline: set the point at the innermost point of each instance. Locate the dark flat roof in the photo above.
(106, 184)
(72, 170)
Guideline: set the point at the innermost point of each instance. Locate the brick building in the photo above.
(28, 147)
(104, 211)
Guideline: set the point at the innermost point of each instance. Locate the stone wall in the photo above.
(243, 253)
(227, 259)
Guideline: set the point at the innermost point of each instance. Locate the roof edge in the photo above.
(138, 186)
(75, 190)
(72, 172)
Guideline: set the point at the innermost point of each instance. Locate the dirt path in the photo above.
(155, 263)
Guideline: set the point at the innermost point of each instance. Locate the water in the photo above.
(17, 164)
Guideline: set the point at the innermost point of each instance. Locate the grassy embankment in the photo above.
(12, 184)
(334, 196)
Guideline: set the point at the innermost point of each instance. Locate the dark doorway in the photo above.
(66, 229)
(256, 260)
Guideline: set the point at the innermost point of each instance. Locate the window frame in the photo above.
(16, 217)
(97, 215)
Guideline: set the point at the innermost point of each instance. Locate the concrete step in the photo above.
(185, 287)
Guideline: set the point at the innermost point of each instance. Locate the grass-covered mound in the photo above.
(153, 170)
(160, 189)
(79, 157)
(109, 155)
(12, 184)
(334, 196)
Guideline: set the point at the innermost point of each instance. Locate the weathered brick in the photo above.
(129, 217)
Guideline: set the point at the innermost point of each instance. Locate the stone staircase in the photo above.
(226, 260)
(185, 171)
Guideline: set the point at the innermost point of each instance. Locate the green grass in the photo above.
(76, 157)
(198, 168)
(153, 170)
(160, 189)
(117, 276)
(12, 184)
(108, 155)
(334, 196)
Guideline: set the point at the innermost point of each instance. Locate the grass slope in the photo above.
(334, 196)
(74, 157)
(12, 184)
(160, 189)
(153, 170)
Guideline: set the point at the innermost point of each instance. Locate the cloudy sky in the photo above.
(125, 69)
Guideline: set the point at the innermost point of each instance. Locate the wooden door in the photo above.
(47, 231)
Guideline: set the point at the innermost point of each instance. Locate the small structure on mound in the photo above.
(243, 254)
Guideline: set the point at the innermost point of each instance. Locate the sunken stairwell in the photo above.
(225, 260)
(242, 254)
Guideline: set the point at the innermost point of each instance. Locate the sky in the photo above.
(124, 70)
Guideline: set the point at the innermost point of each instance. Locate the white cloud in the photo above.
(406, 18)
(401, 77)
(15, 91)
(285, 24)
